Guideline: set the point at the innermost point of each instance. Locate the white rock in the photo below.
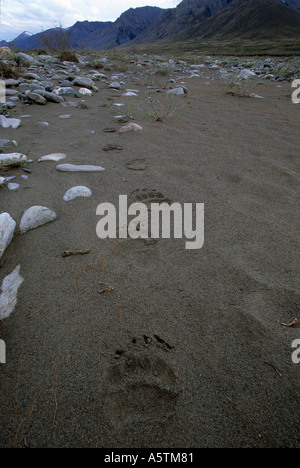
(176, 91)
(129, 93)
(13, 186)
(245, 74)
(76, 192)
(74, 168)
(130, 127)
(9, 291)
(256, 96)
(7, 123)
(53, 157)
(12, 159)
(115, 85)
(36, 216)
(7, 229)
(85, 92)
(2, 181)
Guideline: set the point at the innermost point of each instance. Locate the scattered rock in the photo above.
(13, 186)
(53, 157)
(68, 92)
(9, 291)
(36, 216)
(85, 92)
(7, 123)
(84, 82)
(176, 91)
(7, 229)
(24, 60)
(115, 85)
(12, 159)
(76, 192)
(245, 74)
(51, 97)
(37, 98)
(129, 94)
(130, 127)
(74, 168)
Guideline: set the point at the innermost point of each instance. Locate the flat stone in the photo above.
(7, 229)
(115, 85)
(9, 123)
(68, 92)
(37, 98)
(12, 187)
(9, 291)
(83, 82)
(10, 82)
(53, 157)
(74, 168)
(36, 216)
(129, 94)
(51, 97)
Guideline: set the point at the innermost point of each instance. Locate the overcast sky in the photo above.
(34, 15)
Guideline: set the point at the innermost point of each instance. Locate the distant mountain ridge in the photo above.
(191, 19)
(221, 19)
(97, 34)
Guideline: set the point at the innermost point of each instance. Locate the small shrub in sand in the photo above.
(7, 71)
(68, 56)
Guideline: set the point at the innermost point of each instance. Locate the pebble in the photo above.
(53, 157)
(9, 291)
(37, 98)
(69, 92)
(7, 123)
(13, 186)
(74, 168)
(176, 91)
(129, 127)
(12, 159)
(85, 92)
(36, 216)
(76, 192)
(115, 85)
(7, 229)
